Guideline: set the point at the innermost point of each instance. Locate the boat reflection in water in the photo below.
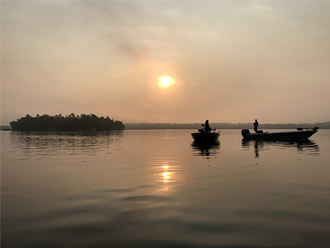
(206, 149)
(305, 146)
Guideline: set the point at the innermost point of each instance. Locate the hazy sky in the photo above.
(232, 61)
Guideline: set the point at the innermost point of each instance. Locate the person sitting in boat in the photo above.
(207, 126)
(255, 125)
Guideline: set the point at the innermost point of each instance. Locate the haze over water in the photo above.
(68, 62)
(156, 189)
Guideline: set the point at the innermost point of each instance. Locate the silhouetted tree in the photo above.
(65, 123)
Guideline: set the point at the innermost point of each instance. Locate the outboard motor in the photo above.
(245, 132)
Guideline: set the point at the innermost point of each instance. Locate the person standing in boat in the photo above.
(207, 126)
(255, 125)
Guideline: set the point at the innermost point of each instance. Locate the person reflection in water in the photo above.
(256, 149)
(255, 125)
(207, 126)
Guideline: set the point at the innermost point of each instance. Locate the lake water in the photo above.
(156, 189)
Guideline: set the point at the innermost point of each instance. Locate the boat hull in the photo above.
(205, 137)
(285, 136)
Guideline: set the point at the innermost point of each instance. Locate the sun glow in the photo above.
(166, 81)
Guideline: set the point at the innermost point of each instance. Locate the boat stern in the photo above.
(245, 132)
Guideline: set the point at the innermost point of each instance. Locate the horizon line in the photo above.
(278, 123)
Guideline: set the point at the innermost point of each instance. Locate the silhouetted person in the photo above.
(255, 125)
(207, 126)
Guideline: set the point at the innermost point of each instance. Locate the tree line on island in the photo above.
(70, 122)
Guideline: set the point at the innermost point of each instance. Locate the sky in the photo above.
(230, 61)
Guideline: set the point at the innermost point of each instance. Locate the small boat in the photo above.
(203, 136)
(300, 134)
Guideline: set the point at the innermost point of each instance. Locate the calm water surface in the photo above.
(158, 189)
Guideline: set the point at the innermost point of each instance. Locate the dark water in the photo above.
(157, 189)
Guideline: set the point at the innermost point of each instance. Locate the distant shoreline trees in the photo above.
(70, 122)
(143, 126)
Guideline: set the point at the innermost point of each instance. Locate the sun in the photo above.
(166, 81)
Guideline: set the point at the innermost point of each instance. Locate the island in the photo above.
(70, 122)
